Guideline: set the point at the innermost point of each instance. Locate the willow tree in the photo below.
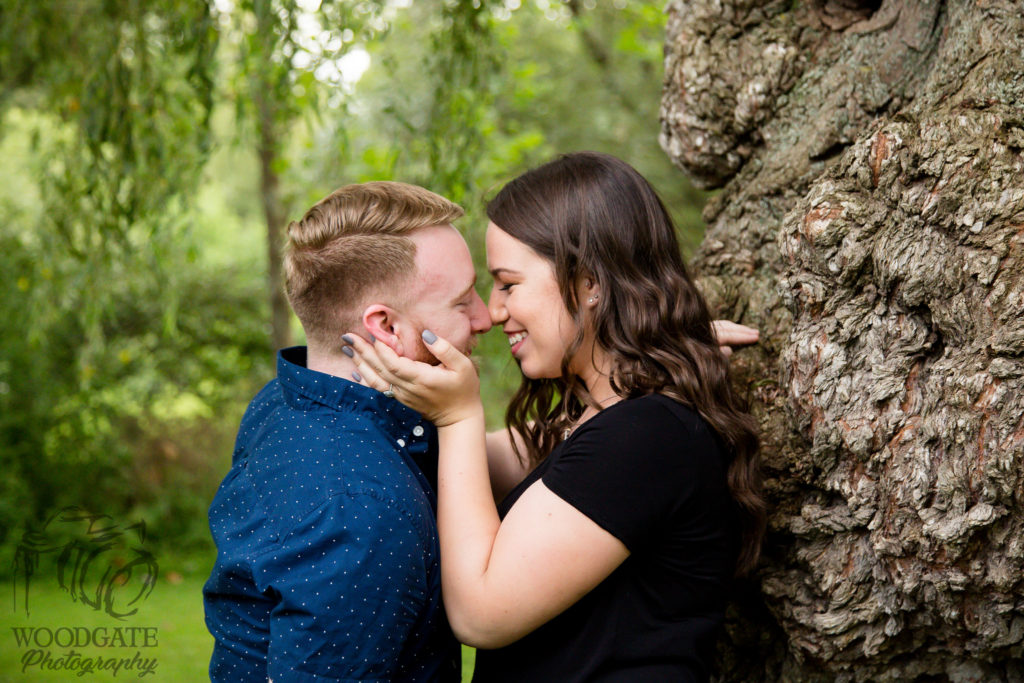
(115, 101)
(871, 223)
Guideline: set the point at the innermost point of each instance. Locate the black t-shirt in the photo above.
(651, 472)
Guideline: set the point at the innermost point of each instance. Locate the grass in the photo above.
(178, 649)
(172, 614)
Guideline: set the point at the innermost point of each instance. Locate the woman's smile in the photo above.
(516, 339)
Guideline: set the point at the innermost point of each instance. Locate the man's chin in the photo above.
(467, 348)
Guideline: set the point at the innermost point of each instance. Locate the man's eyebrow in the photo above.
(464, 293)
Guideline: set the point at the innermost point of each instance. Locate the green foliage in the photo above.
(464, 64)
(131, 87)
(146, 146)
(136, 415)
(282, 63)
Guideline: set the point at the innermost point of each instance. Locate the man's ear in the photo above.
(380, 321)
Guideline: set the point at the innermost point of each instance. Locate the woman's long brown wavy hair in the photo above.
(594, 216)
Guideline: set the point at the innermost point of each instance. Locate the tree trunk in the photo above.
(266, 89)
(871, 223)
(274, 213)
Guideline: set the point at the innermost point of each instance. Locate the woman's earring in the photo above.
(591, 299)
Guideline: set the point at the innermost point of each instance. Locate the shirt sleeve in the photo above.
(350, 581)
(632, 467)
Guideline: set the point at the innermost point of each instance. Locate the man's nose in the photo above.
(496, 308)
(480, 318)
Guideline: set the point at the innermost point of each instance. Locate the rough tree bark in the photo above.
(871, 223)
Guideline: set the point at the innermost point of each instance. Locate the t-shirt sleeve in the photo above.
(630, 468)
(349, 580)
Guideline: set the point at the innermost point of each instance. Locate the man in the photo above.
(327, 552)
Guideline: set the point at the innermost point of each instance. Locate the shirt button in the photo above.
(401, 442)
(417, 430)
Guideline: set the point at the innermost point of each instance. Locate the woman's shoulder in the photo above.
(653, 410)
(648, 453)
(652, 424)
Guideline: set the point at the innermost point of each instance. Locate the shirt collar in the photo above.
(302, 384)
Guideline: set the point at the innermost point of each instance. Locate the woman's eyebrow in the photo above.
(498, 271)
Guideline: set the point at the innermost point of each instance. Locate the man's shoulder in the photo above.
(318, 424)
(329, 452)
(301, 452)
(262, 403)
(291, 435)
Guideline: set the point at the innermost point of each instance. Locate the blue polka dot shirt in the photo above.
(327, 552)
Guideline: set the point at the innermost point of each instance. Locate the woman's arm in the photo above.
(503, 579)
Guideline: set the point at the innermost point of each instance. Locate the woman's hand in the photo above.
(444, 394)
(730, 334)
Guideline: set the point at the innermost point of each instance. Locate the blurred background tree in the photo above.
(155, 151)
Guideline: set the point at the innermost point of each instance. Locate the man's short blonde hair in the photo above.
(354, 243)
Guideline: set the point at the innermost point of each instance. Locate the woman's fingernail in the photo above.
(373, 340)
(356, 376)
(347, 339)
(429, 336)
(348, 351)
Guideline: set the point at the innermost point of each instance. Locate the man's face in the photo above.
(443, 298)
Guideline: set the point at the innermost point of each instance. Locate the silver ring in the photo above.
(390, 393)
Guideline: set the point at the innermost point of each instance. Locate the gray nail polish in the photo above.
(356, 376)
(372, 339)
(429, 336)
(347, 339)
(348, 352)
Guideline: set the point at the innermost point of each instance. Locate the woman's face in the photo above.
(526, 302)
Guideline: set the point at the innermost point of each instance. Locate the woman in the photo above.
(633, 490)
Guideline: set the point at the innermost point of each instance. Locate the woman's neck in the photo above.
(596, 377)
(595, 374)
